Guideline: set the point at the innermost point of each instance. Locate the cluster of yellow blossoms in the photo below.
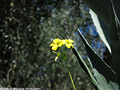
(58, 43)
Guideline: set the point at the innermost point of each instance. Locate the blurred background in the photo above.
(27, 28)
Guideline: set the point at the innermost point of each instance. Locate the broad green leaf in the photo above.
(85, 69)
(103, 82)
(102, 29)
(103, 70)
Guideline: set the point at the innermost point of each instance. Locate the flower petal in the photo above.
(54, 47)
(56, 40)
(71, 40)
(52, 44)
(68, 45)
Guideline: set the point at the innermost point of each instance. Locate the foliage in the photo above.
(107, 77)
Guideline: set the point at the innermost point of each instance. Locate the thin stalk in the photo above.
(70, 75)
(72, 80)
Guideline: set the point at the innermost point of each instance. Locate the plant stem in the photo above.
(72, 80)
(70, 76)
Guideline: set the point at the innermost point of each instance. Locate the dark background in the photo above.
(27, 28)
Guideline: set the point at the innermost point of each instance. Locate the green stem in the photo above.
(70, 76)
(72, 80)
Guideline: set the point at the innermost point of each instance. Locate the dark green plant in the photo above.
(107, 77)
(109, 20)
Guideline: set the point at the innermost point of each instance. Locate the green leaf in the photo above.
(102, 29)
(105, 85)
(115, 36)
(85, 69)
(102, 72)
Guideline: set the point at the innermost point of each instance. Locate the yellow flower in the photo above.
(56, 43)
(68, 43)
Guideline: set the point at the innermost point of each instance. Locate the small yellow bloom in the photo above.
(68, 43)
(56, 43)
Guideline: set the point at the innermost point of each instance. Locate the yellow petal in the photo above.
(68, 45)
(52, 44)
(60, 44)
(56, 40)
(63, 41)
(54, 47)
(71, 40)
